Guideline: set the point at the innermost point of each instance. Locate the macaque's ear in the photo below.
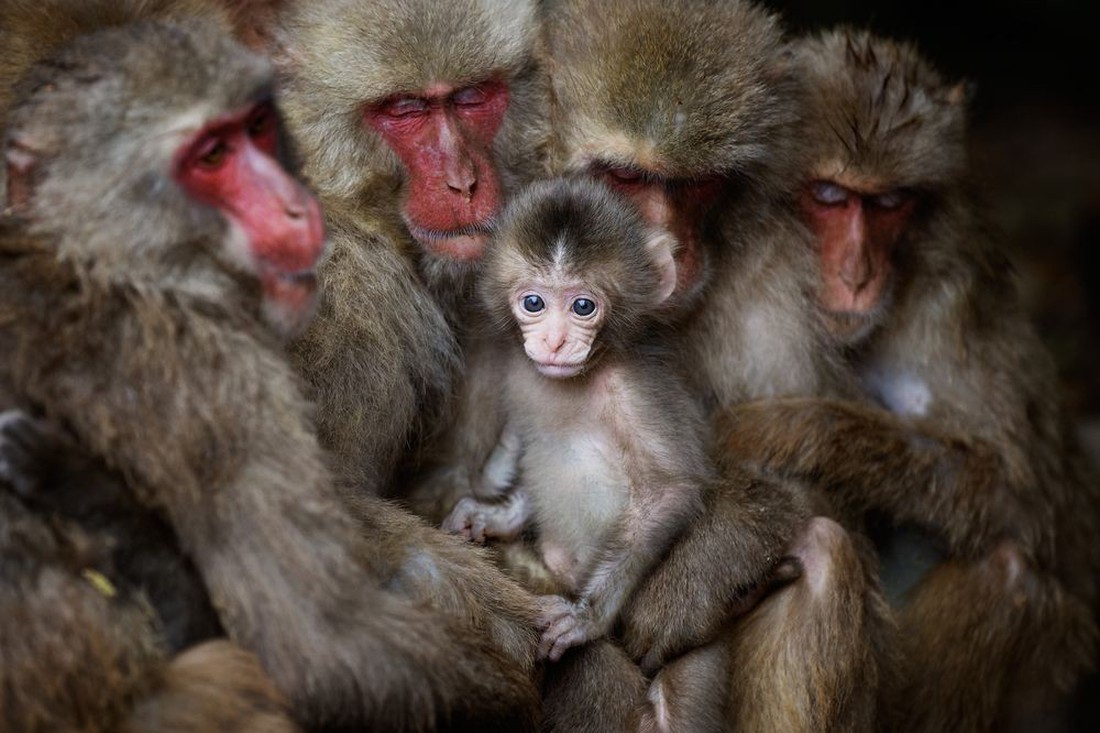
(959, 94)
(661, 246)
(20, 162)
(781, 65)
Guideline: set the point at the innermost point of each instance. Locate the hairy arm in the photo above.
(717, 569)
(867, 458)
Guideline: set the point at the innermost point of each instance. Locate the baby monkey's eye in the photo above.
(584, 307)
(533, 304)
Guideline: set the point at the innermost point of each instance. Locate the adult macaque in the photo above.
(155, 255)
(608, 447)
(688, 109)
(414, 119)
(966, 438)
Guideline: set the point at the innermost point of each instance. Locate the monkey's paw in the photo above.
(469, 518)
(564, 623)
(21, 439)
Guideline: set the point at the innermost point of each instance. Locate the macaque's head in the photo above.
(888, 139)
(575, 268)
(680, 107)
(154, 155)
(428, 102)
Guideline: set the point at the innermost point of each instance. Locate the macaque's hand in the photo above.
(564, 624)
(479, 521)
(469, 518)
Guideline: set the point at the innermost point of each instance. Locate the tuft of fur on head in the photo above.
(582, 230)
(336, 57)
(690, 88)
(877, 110)
(72, 121)
(31, 29)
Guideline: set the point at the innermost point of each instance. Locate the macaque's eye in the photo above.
(405, 107)
(584, 307)
(469, 97)
(890, 199)
(625, 175)
(533, 304)
(828, 193)
(261, 122)
(213, 153)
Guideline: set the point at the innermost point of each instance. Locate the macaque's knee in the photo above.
(822, 547)
(1008, 568)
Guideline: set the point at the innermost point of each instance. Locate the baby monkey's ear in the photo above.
(660, 246)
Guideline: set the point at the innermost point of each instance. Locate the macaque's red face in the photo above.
(676, 206)
(856, 231)
(559, 319)
(444, 137)
(231, 165)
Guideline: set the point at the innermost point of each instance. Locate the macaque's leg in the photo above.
(812, 656)
(593, 689)
(691, 693)
(997, 620)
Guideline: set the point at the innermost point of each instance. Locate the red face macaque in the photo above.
(153, 229)
(444, 137)
(231, 164)
(606, 442)
(857, 223)
(429, 110)
(887, 151)
(674, 205)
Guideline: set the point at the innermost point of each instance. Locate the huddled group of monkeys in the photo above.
(513, 365)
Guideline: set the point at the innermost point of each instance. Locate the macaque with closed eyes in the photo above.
(155, 255)
(414, 118)
(960, 431)
(606, 445)
(689, 108)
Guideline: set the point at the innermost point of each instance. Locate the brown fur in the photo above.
(681, 91)
(133, 547)
(380, 357)
(558, 237)
(75, 655)
(714, 572)
(213, 686)
(595, 688)
(985, 456)
(148, 346)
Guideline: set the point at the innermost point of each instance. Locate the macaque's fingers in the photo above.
(460, 520)
(567, 632)
(479, 523)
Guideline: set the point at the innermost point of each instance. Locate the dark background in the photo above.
(1035, 127)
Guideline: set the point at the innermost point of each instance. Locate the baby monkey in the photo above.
(603, 446)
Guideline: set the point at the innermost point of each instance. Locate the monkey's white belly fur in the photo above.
(576, 479)
(577, 505)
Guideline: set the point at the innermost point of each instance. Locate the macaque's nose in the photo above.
(554, 340)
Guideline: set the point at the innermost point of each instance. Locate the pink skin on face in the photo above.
(674, 206)
(559, 322)
(856, 232)
(444, 137)
(230, 164)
